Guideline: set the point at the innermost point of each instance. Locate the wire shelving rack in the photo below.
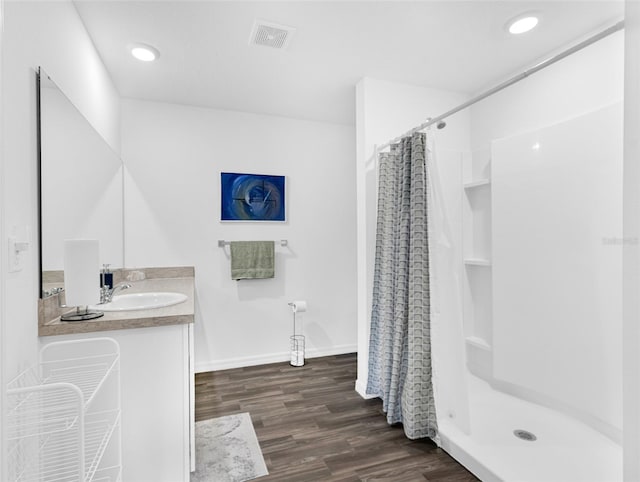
(63, 419)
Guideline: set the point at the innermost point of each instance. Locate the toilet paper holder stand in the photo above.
(297, 342)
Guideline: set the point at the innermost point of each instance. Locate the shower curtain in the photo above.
(400, 368)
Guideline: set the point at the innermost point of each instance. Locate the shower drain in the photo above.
(525, 435)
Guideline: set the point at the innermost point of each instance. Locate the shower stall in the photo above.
(527, 246)
(542, 303)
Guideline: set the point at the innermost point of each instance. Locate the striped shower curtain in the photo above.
(400, 342)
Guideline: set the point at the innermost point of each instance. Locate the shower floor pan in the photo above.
(564, 449)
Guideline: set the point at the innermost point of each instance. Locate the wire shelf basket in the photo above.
(62, 415)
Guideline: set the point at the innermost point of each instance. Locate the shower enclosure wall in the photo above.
(528, 265)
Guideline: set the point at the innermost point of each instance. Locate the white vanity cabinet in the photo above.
(156, 381)
(157, 404)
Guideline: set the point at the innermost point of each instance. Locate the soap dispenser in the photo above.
(106, 277)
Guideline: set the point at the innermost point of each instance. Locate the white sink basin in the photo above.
(141, 301)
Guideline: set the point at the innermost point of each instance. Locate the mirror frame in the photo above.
(39, 182)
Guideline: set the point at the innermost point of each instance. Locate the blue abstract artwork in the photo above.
(251, 197)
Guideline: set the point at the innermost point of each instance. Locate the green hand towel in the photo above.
(252, 259)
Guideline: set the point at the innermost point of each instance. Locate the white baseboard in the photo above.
(215, 365)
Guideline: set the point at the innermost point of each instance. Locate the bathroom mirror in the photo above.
(81, 185)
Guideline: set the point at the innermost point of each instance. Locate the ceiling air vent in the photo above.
(269, 34)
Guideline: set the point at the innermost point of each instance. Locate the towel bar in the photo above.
(222, 243)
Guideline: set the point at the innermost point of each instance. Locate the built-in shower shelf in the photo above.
(478, 183)
(477, 262)
(478, 342)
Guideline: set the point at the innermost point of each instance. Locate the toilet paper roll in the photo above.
(81, 268)
(298, 306)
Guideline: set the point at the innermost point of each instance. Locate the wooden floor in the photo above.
(313, 426)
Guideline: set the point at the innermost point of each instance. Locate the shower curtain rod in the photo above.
(517, 78)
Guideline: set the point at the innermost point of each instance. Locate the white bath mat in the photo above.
(227, 450)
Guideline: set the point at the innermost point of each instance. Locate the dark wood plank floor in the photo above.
(313, 426)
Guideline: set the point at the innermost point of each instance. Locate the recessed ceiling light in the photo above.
(143, 52)
(522, 23)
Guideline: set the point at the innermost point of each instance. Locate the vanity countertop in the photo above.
(179, 314)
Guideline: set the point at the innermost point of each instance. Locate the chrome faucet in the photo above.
(106, 293)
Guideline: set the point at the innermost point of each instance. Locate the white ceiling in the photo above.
(206, 59)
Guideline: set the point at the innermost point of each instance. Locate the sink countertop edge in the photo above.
(178, 314)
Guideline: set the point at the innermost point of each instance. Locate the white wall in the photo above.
(386, 110)
(631, 253)
(3, 263)
(48, 34)
(582, 83)
(173, 157)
